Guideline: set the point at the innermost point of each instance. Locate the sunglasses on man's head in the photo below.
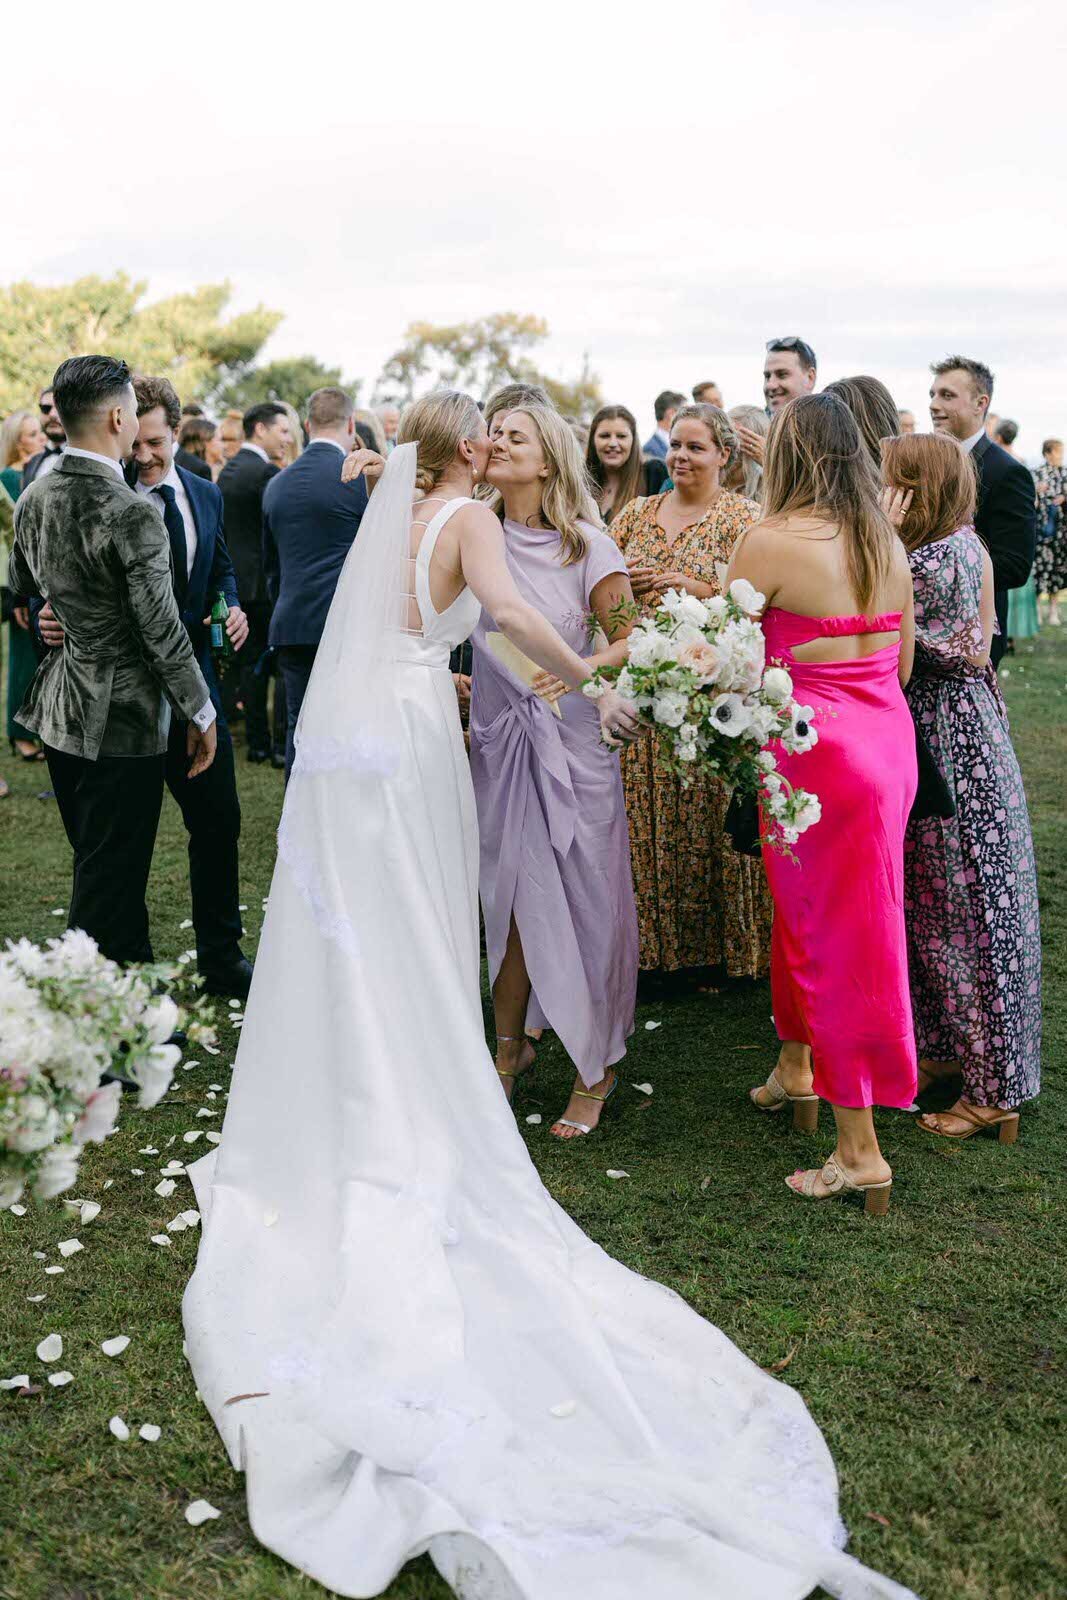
(790, 342)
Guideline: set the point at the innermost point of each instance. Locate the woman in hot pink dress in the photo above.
(839, 619)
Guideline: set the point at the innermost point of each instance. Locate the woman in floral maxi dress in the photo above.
(699, 903)
(974, 939)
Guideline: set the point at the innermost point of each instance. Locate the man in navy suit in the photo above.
(309, 521)
(1006, 518)
(665, 405)
(190, 509)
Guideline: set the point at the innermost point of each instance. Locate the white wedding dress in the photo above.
(406, 1345)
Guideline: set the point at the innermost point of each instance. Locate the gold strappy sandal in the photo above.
(583, 1128)
(805, 1106)
(839, 1184)
(509, 1038)
(1005, 1124)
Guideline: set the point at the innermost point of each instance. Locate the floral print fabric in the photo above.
(699, 903)
(974, 939)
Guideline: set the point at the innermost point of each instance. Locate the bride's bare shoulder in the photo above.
(476, 519)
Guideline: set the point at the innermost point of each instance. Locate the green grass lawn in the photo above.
(928, 1345)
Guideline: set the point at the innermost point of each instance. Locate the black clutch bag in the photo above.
(933, 797)
(741, 824)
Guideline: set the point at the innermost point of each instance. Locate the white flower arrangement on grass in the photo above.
(68, 1016)
(696, 670)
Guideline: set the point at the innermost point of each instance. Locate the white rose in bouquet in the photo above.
(57, 1170)
(728, 714)
(154, 1071)
(716, 609)
(749, 599)
(670, 708)
(647, 647)
(777, 685)
(32, 1124)
(161, 1019)
(693, 611)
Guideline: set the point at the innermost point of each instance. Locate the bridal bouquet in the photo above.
(67, 1016)
(697, 672)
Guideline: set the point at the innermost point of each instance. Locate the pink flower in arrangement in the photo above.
(701, 658)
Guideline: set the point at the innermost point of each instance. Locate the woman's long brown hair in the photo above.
(819, 466)
(943, 483)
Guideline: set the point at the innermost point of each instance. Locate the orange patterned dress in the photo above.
(699, 903)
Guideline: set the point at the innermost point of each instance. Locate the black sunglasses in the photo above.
(46, 411)
(790, 342)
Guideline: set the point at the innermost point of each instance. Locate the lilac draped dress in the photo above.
(555, 847)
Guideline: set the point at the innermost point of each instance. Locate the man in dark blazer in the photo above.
(665, 405)
(309, 521)
(242, 482)
(45, 460)
(101, 704)
(1006, 518)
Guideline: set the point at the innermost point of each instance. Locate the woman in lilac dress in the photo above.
(970, 888)
(556, 887)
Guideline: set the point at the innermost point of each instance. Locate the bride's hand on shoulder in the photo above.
(619, 722)
(367, 462)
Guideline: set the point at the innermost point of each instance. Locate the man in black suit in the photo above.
(191, 513)
(242, 482)
(43, 462)
(309, 521)
(1006, 518)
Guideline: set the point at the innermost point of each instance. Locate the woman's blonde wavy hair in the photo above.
(818, 465)
(10, 434)
(436, 424)
(567, 497)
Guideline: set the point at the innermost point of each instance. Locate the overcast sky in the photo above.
(669, 186)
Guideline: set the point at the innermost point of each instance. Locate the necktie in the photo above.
(172, 521)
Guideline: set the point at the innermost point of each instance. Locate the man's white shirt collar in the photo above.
(969, 444)
(171, 478)
(323, 440)
(258, 448)
(92, 455)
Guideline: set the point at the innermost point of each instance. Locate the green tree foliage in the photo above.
(183, 337)
(293, 379)
(478, 357)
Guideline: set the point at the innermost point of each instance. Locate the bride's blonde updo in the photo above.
(437, 423)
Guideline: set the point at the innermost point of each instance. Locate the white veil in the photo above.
(347, 734)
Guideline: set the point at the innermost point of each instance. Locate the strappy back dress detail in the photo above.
(839, 962)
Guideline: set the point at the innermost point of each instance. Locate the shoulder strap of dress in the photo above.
(430, 537)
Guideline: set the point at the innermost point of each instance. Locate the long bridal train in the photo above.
(406, 1345)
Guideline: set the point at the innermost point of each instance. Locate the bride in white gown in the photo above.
(406, 1345)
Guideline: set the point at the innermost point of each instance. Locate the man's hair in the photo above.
(1050, 445)
(803, 352)
(329, 408)
(153, 392)
(83, 385)
(977, 371)
(264, 412)
(669, 400)
(698, 389)
(1007, 431)
(191, 409)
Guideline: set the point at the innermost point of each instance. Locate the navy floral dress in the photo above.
(970, 888)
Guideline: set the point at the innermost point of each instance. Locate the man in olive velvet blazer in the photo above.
(99, 554)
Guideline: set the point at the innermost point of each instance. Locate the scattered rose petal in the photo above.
(59, 1380)
(187, 923)
(150, 1431)
(566, 1408)
(50, 1348)
(39, 1255)
(172, 1168)
(171, 1140)
(234, 1005)
(35, 1299)
(534, 1119)
(269, 1218)
(242, 908)
(165, 1187)
(200, 1511)
(615, 1172)
(70, 1247)
(17, 1211)
(215, 1086)
(204, 1111)
(53, 1272)
(214, 1138)
(107, 1183)
(90, 1209)
(191, 1218)
(160, 1238)
(21, 1382)
(177, 1225)
(705, 1183)
(58, 912)
(649, 1026)
(211, 1095)
(192, 1136)
(119, 1428)
(211, 1050)
(149, 1150)
(643, 1088)
(136, 1172)
(115, 1347)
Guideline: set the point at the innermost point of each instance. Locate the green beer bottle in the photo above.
(221, 648)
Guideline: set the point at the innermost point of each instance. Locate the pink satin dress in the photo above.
(839, 955)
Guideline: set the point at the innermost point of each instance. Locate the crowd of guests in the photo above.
(904, 950)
